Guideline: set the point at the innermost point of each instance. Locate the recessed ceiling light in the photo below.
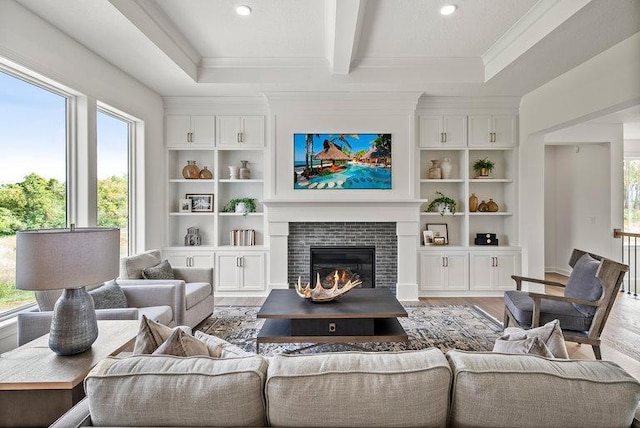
(243, 10)
(448, 9)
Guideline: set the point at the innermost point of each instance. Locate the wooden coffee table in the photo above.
(362, 315)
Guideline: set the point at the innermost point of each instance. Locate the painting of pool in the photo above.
(342, 161)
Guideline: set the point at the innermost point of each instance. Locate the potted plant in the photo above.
(249, 203)
(483, 167)
(442, 204)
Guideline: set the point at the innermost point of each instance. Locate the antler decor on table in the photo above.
(321, 294)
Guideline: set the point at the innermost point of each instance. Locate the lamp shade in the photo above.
(50, 259)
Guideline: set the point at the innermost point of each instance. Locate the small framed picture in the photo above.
(185, 205)
(439, 231)
(201, 203)
(428, 237)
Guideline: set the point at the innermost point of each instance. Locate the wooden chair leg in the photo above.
(596, 352)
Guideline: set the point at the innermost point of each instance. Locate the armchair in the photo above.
(194, 286)
(583, 309)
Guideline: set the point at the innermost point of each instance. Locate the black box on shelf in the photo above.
(486, 239)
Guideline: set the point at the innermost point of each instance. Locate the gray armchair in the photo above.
(582, 311)
(194, 286)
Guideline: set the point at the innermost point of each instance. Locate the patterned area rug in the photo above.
(444, 326)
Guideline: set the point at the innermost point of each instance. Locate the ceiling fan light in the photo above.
(243, 10)
(448, 9)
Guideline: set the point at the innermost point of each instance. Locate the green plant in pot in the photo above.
(442, 204)
(249, 203)
(483, 167)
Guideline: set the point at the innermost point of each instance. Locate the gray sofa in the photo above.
(412, 388)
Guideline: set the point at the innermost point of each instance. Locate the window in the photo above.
(33, 177)
(114, 142)
(632, 195)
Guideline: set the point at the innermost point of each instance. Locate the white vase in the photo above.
(233, 172)
(445, 167)
(241, 208)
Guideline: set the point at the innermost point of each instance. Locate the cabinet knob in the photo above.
(445, 137)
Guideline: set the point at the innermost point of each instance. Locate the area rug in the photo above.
(443, 326)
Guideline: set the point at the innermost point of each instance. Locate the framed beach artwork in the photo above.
(341, 161)
(201, 203)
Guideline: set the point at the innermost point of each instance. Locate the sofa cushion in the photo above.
(550, 334)
(109, 296)
(220, 348)
(498, 390)
(196, 292)
(131, 267)
(162, 270)
(151, 335)
(583, 283)
(161, 314)
(521, 306)
(182, 344)
(359, 389)
(522, 345)
(158, 390)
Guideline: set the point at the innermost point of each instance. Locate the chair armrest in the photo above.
(194, 274)
(564, 299)
(143, 293)
(520, 279)
(77, 416)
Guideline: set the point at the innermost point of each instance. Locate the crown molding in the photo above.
(275, 63)
(428, 104)
(352, 102)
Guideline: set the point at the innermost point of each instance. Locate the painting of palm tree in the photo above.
(343, 161)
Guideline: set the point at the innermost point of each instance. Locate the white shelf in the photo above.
(490, 180)
(191, 180)
(489, 214)
(222, 214)
(247, 180)
(441, 180)
(192, 214)
(186, 148)
(456, 214)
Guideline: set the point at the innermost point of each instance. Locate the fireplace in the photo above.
(354, 260)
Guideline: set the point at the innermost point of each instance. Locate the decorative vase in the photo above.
(435, 172)
(492, 207)
(241, 208)
(245, 173)
(473, 203)
(193, 236)
(446, 167)
(205, 174)
(233, 172)
(191, 170)
(484, 173)
(483, 208)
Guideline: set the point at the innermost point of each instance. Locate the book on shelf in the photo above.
(243, 237)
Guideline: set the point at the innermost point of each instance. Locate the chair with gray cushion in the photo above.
(196, 301)
(583, 309)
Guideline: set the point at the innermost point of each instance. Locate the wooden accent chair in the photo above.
(582, 310)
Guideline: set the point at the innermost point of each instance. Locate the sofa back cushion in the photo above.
(493, 390)
(131, 267)
(359, 389)
(155, 390)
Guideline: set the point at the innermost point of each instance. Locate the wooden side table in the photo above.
(37, 386)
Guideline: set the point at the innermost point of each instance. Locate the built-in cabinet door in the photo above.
(456, 270)
(431, 131)
(492, 131)
(455, 131)
(190, 259)
(190, 131)
(228, 131)
(202, 131)
(444, 271)
(505, 265)
(252, 271)
(480, 131)
(252, 131)
(504, 131)
(493, 270)
(431, 272)
(481, 270)
(227, 272)
(178, 129)
(240, 131)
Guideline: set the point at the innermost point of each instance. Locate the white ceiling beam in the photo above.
(159, 29)
(343, 28)
(535, 25)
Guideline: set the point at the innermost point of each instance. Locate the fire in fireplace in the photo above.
(351, 261)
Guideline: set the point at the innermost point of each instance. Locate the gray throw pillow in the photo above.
(182, 344)
(108, 296)
(161, 271)
(583, 283)
(522, 345)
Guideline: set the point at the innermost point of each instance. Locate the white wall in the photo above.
(30, 42)
(606, 83)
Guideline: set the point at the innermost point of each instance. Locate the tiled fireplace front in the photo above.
(381, 235)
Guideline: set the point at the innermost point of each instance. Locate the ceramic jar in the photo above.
(241, 208)
(233, 172)
(492, 207)
(245, 173)
(445, 166)
(483, 208)
(206, 174)
(191, 170)
(473, 203)
(435, 172)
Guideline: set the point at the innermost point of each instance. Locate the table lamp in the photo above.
(68, 259)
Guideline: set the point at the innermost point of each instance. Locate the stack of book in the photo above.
(243, 237)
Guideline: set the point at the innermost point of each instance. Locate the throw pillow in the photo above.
(161, 271)
(109, 296)
(550, 334)
(152, 334)
(583, 283)
(531, 345)
(182, 344)
(220, 348)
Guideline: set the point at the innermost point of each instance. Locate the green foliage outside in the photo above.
(40, 203)
(631, 179)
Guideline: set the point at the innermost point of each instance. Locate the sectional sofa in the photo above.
(411, 388)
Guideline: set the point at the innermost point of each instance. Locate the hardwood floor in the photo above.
(623, 323)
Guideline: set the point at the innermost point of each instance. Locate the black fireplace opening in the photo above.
(356, 260)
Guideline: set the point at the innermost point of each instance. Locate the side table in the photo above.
(37, 386)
